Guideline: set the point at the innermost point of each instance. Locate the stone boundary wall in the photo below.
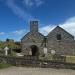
(17, 61)
(34, 62)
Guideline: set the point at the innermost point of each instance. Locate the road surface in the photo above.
(35, 71)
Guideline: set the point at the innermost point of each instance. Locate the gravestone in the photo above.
(6, 50)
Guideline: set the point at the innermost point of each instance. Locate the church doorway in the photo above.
(34, 50)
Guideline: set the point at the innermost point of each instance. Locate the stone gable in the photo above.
(32, 40)
(64, 46)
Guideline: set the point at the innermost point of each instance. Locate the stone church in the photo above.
(58, 41)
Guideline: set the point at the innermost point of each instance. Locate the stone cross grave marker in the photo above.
(6, 50)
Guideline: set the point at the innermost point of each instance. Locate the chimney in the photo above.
(33, 26)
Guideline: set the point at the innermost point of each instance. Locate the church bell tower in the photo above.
(33, 26)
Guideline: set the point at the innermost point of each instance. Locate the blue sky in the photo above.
(16, 14)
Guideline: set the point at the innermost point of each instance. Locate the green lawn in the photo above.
(4, 65)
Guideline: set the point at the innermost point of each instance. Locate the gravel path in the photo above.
(36, 71)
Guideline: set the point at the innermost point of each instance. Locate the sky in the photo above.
(15, 16)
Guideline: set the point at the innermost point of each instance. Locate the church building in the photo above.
(58, 41)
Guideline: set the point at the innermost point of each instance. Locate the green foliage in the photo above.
(13, 53)
(2, 52)
(46, 57)
(10, 44)
(52, 57)
(4, 65)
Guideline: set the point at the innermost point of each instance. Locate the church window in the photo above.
(58, 36)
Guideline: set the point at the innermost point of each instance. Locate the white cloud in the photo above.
(32, 3)
(46, 29)
(71, 20)
(68, 25)
(39, 2)
(21, 13)
(17, 10)
(28, 3)
(2, 33)
(19, 32)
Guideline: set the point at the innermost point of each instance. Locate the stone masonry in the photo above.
(59, 40)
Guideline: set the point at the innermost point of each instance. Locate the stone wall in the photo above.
(34, 62)
(65, 46)
(17, 61)
(30, 39)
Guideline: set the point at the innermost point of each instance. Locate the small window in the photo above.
(58, 36)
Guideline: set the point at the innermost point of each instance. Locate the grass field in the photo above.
(4, 65)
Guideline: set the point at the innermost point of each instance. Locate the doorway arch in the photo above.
(34, 50)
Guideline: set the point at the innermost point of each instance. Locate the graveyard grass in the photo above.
(4, 65)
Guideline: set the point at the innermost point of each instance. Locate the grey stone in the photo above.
(64, 46)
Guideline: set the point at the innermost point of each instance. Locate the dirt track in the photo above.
(36, 71)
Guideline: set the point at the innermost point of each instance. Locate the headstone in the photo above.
(6, 50)
(45, 50)
(19, 54)
(53, 52)
(30, 52)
